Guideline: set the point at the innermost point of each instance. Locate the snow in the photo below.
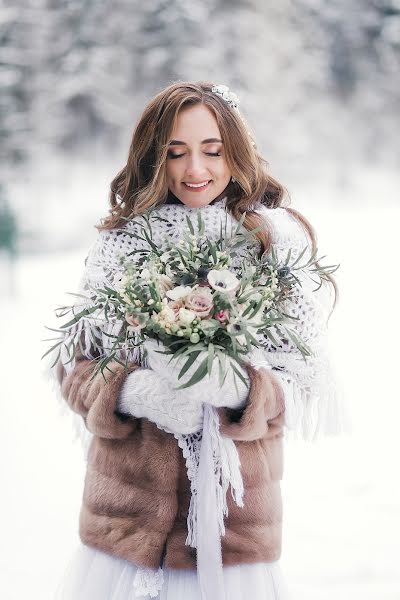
(341, 495)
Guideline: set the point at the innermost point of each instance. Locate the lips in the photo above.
(196, 187)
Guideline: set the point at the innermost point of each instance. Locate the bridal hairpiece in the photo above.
(233, 101)
(229, 97)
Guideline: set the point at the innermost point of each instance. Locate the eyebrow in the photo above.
(207, 141)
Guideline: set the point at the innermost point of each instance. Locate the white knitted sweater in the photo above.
(313, 399)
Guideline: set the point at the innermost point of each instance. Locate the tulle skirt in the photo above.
(95, 575)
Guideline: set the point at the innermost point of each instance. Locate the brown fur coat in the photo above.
(137, 494)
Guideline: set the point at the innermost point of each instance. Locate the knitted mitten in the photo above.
(145, 394)
(232, 394)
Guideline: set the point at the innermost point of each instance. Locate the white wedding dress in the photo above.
(95, 575)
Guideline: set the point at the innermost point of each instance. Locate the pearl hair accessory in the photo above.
(233, 101)
(229, 97)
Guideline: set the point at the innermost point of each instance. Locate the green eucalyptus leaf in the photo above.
(197, 376)
(188, 363)
(210, 357)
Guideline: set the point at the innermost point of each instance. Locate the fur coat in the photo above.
(136, 493)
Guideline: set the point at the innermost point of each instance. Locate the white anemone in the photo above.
(223, 280)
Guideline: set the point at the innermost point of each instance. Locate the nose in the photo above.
(195, 167)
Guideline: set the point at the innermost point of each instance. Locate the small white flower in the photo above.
(120, 280)
(168, 315)
(145, 274)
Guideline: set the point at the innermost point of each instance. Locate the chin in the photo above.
(196, 199)
(194, 202)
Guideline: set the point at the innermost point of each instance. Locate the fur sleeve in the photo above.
(96, 399)
(263, 415)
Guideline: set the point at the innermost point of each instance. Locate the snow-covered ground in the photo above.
(341, 495)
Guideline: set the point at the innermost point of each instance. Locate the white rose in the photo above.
(186, 316)
(179, 292)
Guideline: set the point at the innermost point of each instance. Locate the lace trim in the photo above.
(148, 582)
(226, 472)
(190, 445)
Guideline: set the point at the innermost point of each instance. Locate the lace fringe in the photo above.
(315, 406)
(310, 416)
(79, 431)
(226, 472)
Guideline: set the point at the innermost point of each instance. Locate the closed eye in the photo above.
(183, 154)
(176, 155)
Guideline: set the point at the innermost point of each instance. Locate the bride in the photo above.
(154, 522)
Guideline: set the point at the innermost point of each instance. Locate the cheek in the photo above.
(224, 169)
(172, 170)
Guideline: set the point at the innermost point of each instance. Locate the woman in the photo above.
(145, 520)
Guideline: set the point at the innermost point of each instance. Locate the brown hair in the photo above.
(141, 183)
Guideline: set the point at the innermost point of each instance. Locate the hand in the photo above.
(145, 394)
(233, 393)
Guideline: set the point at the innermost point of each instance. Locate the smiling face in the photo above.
(197, 172)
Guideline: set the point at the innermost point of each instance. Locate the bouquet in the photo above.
(189, 297)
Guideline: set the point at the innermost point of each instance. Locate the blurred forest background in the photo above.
(318, 83)
(319, 86)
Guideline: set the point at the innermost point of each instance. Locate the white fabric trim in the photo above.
(148, 582)
(208, 456)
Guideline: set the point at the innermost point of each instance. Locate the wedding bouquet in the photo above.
(189, 297)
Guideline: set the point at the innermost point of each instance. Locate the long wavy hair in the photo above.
(142, 182)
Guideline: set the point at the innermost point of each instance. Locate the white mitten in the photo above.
(233, 393)
(145, 394)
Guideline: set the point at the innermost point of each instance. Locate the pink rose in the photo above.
(222, 316)
(200, 302)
